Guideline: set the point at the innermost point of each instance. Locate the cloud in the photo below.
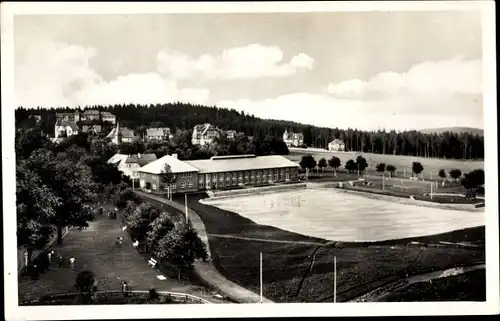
(247, 62)
(432, 78)
(50, 73)
(328, 111)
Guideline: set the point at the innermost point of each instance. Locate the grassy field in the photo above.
(296, 272)
(402, 163)
(466, 287)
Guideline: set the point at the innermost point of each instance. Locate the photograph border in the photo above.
(13, 311)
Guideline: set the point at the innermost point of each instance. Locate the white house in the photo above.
(293, 139)
(121, 135)
(107, 116)
(159, 134)
(129, 164)
(204, 134)
(65, 129)
(336, 145)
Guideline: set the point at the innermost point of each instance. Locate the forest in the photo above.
(184, 116)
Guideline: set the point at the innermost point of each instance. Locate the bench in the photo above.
(152, 262)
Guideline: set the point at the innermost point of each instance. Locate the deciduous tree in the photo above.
(334, 163)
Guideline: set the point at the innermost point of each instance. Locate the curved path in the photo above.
(378, 294)
(206, 270)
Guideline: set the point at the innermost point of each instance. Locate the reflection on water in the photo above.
(338, 216)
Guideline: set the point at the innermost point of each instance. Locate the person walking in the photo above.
(72, 263)
(49, 256)
(61, 261)
(124, 287)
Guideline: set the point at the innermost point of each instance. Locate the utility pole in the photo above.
(334, 279)
(261, 283)
(186, 206)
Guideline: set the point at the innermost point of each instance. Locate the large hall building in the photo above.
(217, 172)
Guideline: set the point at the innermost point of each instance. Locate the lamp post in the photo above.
(261, 283)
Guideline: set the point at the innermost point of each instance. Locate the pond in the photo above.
(338, 216)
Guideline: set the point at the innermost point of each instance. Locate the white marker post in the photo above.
(334, 279)
(186, 206)
(383, 181)
(431, 189)
(261, 283)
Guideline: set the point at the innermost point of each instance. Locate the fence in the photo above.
(256, 190)
(69, 298)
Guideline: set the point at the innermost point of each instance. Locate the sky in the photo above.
(366, 70)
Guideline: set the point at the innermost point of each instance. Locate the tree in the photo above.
(29, 141)
(381, 167)
(36, 206)
(351, 166)
(308, 162)
(334, 163)
(124, 197)
(455, 174)
(322, 164)
(417, 168)
(442, 173)
(181, 246)
(361, 164)
(473, 182)
(159, 227)
(85, 281)
(391, 169)
(168, 178)
(138, 219)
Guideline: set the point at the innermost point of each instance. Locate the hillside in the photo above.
(455, 130)
(184, 116)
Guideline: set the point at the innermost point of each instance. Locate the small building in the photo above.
(230, 134)
(109, 117)
(70, 117)
(183, 175)
(90, 114)
(92, 129)
(293, 139)
(159, 134)
(129, 164)
(337, 145)
(218, 172)
(121, 135)
(204, 134)
(65, 129)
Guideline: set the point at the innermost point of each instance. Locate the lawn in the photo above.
(402, 163)
(470, 286)
(360, 266)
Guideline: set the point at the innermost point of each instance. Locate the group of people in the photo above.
(43, 263)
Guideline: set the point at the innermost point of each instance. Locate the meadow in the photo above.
(402, 163)
(299, 268)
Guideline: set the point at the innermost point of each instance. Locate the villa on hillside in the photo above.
(64, 128)
(129, 164)
(90, 114)
(121, 135)
(159, 134)
(70, 117)
(336, 145)
(217, 172)
(109, 117)
(204, 134)
(91, 129)
(293, 139)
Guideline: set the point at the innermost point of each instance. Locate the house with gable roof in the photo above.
(336, 145)
(204, 134)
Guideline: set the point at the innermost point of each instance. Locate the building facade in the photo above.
(204, 134)
(336, 145)
(218, 172)
(293, 139)
(130, 164)
(158, 134)
(90, 115)
(109, 117)
(65, 129)
(121, 135)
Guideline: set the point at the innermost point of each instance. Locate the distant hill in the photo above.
(456, 130)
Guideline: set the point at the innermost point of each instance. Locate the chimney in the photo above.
(174, 155)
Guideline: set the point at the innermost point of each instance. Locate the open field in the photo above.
(337, 216)
(299, 272)
(402, 163)
(466, 287)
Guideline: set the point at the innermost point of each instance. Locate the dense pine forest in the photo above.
(183, 116)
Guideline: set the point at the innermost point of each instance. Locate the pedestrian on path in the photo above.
(124, 287)
(61, 261)
(72, 262)
(135, 244)
(49, 256)
(124, 228)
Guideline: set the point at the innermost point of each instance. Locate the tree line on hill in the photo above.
(473, 181)
(62, 185)
(185, 116)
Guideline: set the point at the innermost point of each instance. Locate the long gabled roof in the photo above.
(124, 131)
(70, 124)
(176, 166)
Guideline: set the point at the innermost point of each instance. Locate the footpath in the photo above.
(206, 270)
(94, 249)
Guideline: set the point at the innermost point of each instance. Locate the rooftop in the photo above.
(337, 141)
(91, 112)
(141, 159)
(64, 123)
(124, 131)
(107, 114)
(157, 131)
(219, 164)
(176, 166)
